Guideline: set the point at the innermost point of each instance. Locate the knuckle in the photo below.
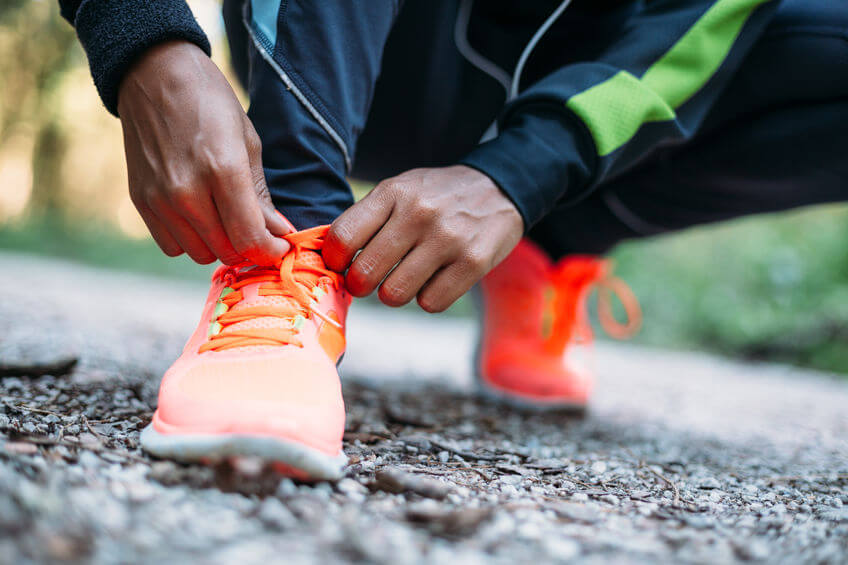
(180, 194)
(341, 236)
(425, 208)
(363, 272)
(450, 234)
(395, 294)
(475, 262)
(226, 170)
(391, 186)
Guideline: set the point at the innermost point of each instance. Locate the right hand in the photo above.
(195, 162)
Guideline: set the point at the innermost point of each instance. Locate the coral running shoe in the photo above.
(535, 342)
(258, 377)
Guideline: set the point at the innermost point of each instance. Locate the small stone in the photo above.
(610, 499)
(444, 456)
(598, 467)
(709, 483)
(52, 419)
(396, 481)
(509, 490)
(286, 488)
(88, 460)
(580, 497)
(274, 514)
(20, 448)
(350, 486)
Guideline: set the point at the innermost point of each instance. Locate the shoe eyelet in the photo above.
(220, 308)
(214, 329)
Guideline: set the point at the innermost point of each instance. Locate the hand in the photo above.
(427, 232)
(194, 160)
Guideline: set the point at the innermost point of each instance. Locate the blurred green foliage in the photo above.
(768, 288)
(765, 288)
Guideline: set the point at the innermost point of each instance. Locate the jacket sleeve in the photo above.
(654, 86)
(115, 32)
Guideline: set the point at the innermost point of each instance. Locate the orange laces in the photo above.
(297, 279)
(569, 319)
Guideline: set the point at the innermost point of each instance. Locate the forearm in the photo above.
(114, 33)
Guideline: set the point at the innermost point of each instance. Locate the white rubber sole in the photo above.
(201, 447)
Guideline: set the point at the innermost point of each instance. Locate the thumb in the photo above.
(275, 222)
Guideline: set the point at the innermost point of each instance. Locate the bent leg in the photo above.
(312, 67)
(777, 140)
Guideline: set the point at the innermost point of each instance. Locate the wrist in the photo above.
(161, 72)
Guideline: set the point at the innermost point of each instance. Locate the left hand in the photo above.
(430, 233)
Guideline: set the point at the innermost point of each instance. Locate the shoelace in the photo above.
(295, 279)
(565, 306)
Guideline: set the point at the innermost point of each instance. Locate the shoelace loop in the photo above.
(293, 279)
(569, 321)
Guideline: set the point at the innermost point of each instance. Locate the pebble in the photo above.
(610, 499)
(286, 487)
(529, 488)
(709, 483)
(274, 514)
(599, 467)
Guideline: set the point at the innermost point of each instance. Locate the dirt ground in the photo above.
(682, 458)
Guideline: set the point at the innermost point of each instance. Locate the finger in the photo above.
(200, 213)
(182, 231)
(243, 220)
(379, 257)
(275, 222)
(413, 272)
(355, 228)
(448, 284)
(160, 233)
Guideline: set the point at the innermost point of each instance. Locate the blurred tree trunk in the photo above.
(37, 48)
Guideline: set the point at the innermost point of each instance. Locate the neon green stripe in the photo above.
(614, 110)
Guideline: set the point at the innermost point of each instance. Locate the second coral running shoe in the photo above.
(535, 335)
(258, 377)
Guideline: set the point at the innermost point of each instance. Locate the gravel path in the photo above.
(683, 458)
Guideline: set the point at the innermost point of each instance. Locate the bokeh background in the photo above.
(771, 288)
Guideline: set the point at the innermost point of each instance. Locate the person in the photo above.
(514, 143)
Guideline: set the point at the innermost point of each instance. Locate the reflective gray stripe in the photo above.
(299, 95)
(460, 37)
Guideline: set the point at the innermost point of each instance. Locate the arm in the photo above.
(193, 157)
(584, 123)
